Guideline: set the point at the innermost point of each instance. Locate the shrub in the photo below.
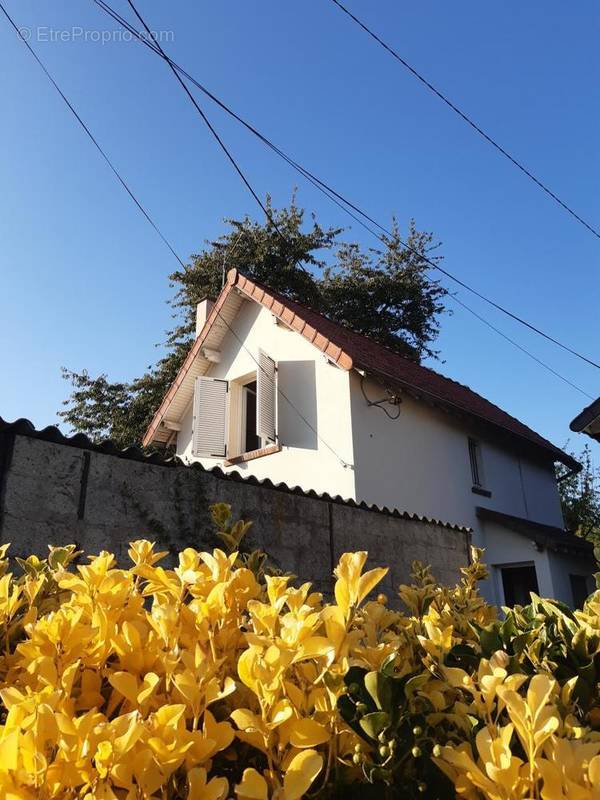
(219, 678)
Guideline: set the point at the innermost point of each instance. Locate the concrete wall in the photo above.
(54, 493)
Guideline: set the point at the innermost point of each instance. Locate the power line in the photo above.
(211, 128)
(180, 261)
(466, 118)
(139, 205)
(346, 205)
(90, 135)
(520, 347)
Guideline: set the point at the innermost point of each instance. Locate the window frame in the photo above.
(236, 444)
(504, 570)
(244, 419)
(478, 479)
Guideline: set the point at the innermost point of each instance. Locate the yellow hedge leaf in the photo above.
(252, 787)
(300, 774)
(308, 733)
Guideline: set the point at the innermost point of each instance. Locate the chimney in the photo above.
(203, 310)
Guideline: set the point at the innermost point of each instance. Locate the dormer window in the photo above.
(236, 419)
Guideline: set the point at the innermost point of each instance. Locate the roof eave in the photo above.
(246, 287)
(419, 393)
(588, 421)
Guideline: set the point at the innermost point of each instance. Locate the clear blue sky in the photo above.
(83, 277)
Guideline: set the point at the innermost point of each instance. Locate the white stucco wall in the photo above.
(417, 463)
(504, 547)
(320, 392)
(420, 462)
(562, 567)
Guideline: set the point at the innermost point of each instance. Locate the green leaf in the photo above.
(355, 675)
(375, 722)
(489, 638)
(415, 683)
(380, 688)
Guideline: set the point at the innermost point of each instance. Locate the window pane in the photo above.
(251, 440)
(474, 457)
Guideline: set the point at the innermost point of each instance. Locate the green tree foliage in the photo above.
(580, 498)
(386, 294)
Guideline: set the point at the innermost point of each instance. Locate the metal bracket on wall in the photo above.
(392, 398)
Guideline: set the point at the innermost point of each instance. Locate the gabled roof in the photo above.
(349, 350)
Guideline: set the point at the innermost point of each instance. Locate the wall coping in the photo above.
(23, 427)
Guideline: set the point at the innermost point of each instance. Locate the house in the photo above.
(588, 421)
(272, 389)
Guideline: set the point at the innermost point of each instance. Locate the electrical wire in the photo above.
(520, 347)
(346, 205)
(466, 118)
(91, 135)
(392, 399)
(180, 261)
(213, 131)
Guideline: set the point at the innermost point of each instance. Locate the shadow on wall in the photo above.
(298, 381)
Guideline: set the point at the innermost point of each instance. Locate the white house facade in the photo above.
(273, 390)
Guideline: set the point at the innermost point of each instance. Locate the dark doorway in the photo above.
(517, 583)
(579, 590)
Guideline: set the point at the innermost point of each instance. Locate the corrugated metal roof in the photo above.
(23, 427)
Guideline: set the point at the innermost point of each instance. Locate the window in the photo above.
(475, 458)
(234, 418)
(250, 439)
(518, 581)
(579, 589)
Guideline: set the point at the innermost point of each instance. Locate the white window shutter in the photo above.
(266, 398)
(210, 417)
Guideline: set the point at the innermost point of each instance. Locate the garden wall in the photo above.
(59, 490)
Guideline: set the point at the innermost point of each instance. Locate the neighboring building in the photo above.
(588, 421)
(274, 390)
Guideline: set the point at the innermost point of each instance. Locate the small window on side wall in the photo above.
(477, 476)
(475, 458)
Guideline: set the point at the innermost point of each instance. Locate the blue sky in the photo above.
(83, 277)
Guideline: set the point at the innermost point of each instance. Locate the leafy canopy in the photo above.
(384, 293)
(580, 498)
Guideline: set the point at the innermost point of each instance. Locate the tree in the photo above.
(386, 294)
(580, 498)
